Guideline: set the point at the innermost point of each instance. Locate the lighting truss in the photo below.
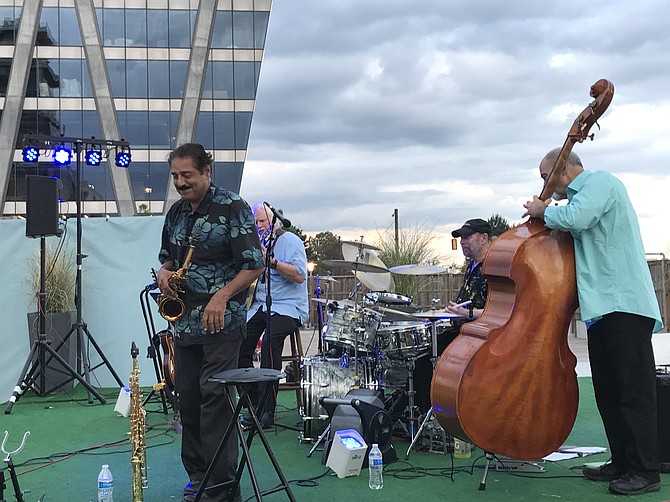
(63, 149)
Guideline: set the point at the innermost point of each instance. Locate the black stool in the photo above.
(243, 379)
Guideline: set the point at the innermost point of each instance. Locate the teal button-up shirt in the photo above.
(612, 272)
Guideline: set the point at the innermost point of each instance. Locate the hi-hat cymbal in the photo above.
(327, 278)
(354, 265)
(361, 245)
(343, 303)
(417, 269)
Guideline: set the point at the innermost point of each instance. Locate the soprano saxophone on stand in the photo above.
(138, 443)
(173, 309)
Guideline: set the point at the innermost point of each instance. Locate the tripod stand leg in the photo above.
(318, 441)
(418, 433)
(21, 386)
(102, 356)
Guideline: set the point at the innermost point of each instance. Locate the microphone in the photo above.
(284, 221)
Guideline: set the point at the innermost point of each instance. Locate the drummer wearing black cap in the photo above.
(475, 238)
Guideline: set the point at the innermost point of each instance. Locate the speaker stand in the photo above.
(79, 327)
(36, 363)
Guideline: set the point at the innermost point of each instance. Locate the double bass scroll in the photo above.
(507, 383)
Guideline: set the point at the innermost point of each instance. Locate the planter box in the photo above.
(56, 327)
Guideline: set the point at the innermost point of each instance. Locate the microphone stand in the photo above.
(319, 312)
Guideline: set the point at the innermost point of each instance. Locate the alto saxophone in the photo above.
(138, 444)
(173, 309)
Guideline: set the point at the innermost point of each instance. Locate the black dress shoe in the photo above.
(606, 472)
(635, 484)
(266, 420)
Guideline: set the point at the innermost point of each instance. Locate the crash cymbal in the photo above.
(361, 245)
(373, 281)
(417, 269)
(356, 266)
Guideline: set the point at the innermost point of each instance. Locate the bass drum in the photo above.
(326, 377)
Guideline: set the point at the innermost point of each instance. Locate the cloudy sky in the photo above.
(443, 109)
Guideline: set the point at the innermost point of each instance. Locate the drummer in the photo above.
(475, 238)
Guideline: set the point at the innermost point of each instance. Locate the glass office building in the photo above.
(155, 73)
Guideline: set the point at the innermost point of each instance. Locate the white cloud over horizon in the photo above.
(443, 109)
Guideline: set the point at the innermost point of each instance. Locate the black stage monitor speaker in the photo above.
(362, 410)
(41, 206)
(663, 409)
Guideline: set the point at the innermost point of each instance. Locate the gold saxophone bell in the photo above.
(173, 309)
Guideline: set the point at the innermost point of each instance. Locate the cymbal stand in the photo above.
(433, 359)
(410, 395)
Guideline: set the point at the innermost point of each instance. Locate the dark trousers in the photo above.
(204, 408)
(624, 382)
(423, 370)
(281, 326)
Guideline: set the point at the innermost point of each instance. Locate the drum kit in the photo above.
(370, 340)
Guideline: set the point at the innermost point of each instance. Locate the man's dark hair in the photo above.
(194, 151)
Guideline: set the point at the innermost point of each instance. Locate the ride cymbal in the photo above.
(417, 269)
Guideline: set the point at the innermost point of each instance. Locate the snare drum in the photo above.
(325, 377)
(403, 340)
(340, 329)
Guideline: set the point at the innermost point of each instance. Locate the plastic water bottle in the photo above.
(105, 485)
(376, 467)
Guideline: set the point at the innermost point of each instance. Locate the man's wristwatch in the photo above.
(273, 265)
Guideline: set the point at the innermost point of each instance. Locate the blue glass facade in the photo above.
(147, 55)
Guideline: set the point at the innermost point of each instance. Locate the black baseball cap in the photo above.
(472, 227)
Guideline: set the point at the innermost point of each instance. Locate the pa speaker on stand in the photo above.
(41, 206)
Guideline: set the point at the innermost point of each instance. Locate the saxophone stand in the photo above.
(153, 351)
(12, 471)
(33, 374)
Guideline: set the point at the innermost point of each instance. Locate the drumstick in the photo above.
(464, 304)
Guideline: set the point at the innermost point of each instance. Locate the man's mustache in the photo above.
(183, 187)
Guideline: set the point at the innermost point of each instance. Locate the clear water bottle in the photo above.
(376, 467)
(105, 485)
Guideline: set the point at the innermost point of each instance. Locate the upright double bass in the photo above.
(507, 383)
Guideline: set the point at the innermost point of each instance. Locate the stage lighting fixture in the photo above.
(30, 154)
(93, 157)
(122, 159)
(62, 156)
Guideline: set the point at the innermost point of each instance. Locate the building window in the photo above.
(59, 26)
